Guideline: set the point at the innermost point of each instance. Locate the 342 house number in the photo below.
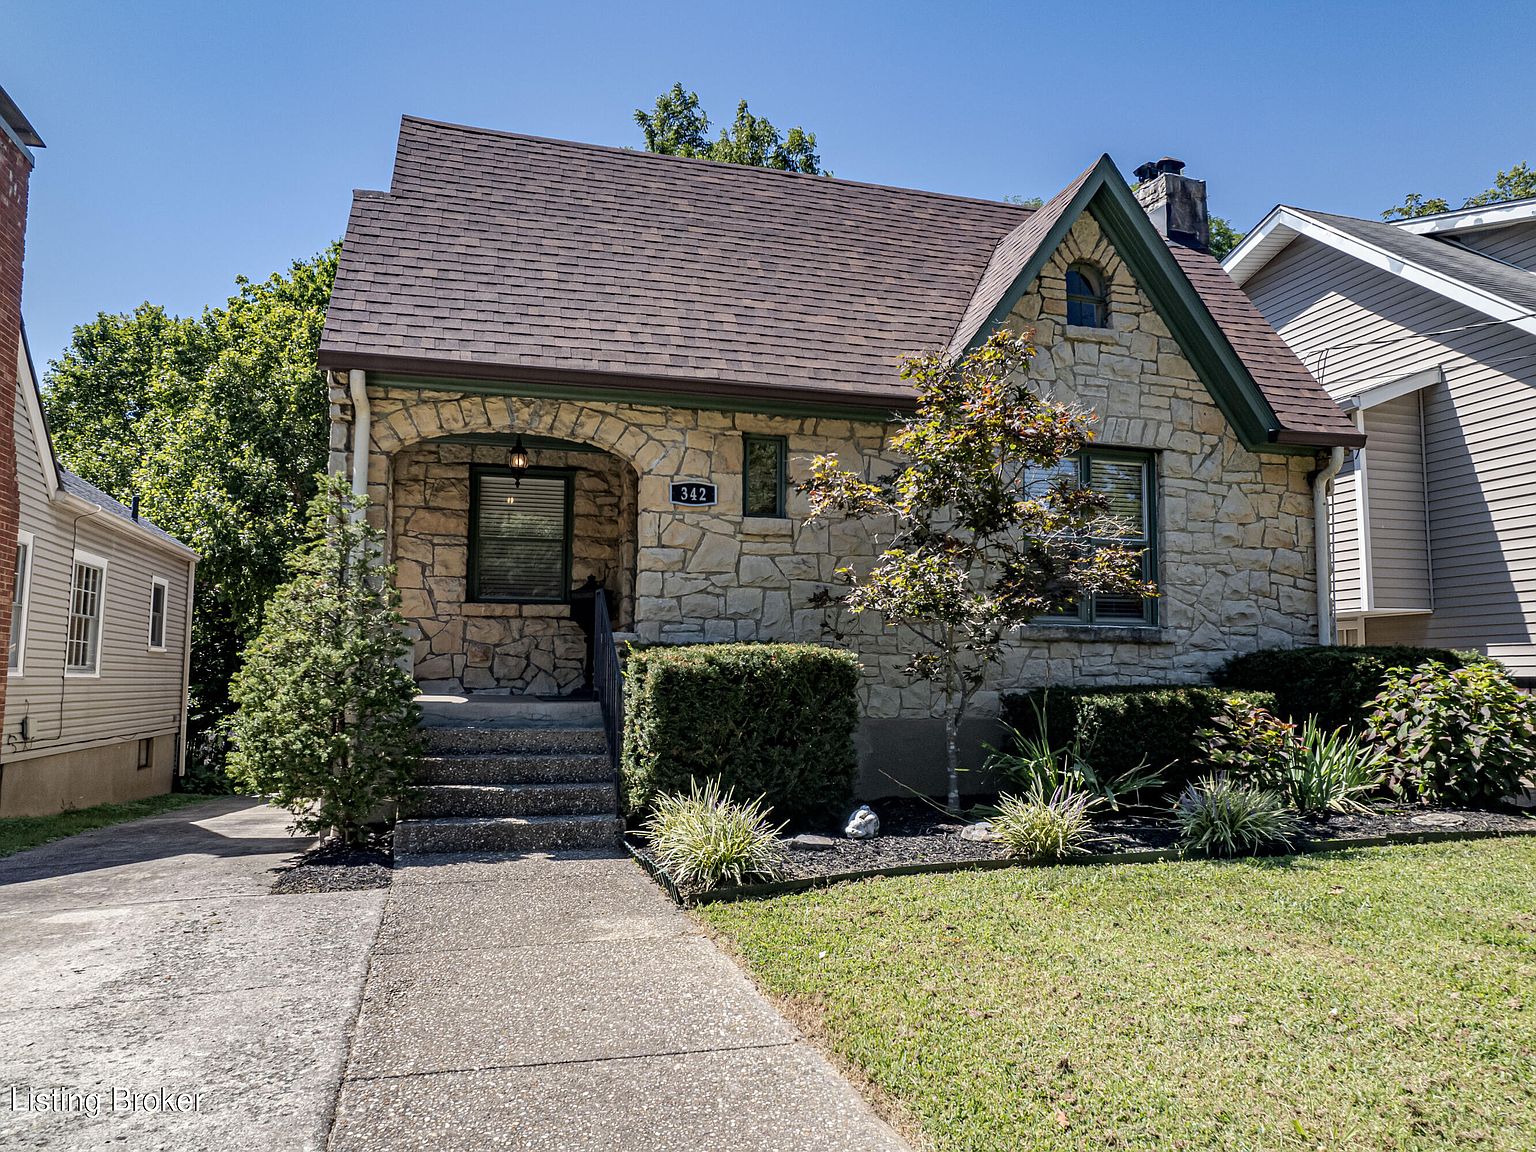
(693, 494)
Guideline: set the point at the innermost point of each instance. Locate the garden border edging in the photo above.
(1145, 856)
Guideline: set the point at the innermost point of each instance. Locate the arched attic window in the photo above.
(1087, 300)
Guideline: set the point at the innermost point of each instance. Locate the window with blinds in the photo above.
(1126, 478)
(82, 646)
(520, 537)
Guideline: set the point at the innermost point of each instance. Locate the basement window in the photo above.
(146, 752)
(1087, 300)
(520, 536)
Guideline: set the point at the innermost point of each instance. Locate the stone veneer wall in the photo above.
(1236, 562)
(524, 648)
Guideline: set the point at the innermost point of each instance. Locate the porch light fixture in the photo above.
(517, 461)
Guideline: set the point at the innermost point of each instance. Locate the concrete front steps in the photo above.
(511, 774)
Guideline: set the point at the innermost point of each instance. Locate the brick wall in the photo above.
(15, 172)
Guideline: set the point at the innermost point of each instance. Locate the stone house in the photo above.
(556, 365)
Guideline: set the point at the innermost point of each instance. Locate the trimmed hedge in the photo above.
(773, 720)
(1119, 728)
(1336, 685)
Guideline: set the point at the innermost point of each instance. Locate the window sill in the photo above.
(1092, 335)
(767, 526)
(514, 608)
(1097, 633)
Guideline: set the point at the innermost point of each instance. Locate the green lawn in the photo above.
(1376, 999)
(18, 832)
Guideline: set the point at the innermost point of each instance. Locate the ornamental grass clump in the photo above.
(1219, 816)
(1037, 826)
(706, 838)
(1331, 771)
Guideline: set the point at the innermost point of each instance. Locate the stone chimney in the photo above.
(1175, 203)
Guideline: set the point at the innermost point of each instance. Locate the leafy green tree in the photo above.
(1224, 237)
(678, 126)
(326, 721)
(218, 424)
(1516, 183)
(987, 530)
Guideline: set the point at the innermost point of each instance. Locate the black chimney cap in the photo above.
(1167, 166)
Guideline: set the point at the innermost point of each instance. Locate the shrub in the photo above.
(1454, 735)
(1219, 816)
(706, 837)
(1041, 826)
(1315, 769)
(1031, 765)
(1335, 684)
(1121, 731)
(775, 720)
(326, 722)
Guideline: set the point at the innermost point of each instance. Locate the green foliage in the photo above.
(705, 838)
(1516, 183)
(987, 531)
(1033, 765)
(1224, 237)
(1044, 825)
(1335, 684)
(326, 722)
(1120, 731)
(1454, 735)
(218, 424)
(1025, 201)
(1316, 769)
(775, 720)
(677, 126)
(1220, 816)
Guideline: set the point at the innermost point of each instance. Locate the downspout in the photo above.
(357, 383)
(186, 671)
(1322, 478)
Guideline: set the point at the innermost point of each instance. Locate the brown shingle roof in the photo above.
(512, 257)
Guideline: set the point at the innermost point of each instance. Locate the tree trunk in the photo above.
(952, 752)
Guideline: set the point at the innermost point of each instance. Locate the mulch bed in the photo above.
(912, 832)
(914, 835)
(332, 867)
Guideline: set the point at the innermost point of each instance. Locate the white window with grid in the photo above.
(87, 605)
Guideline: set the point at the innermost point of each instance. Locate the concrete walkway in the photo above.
(149, 957)
(564, 1004)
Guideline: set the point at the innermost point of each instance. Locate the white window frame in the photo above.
(89, 559)
(165, 611)
(18, 670)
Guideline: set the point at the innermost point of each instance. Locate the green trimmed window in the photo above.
(764, 478)
(1087, 299)
(1129, 480)
(519, 536)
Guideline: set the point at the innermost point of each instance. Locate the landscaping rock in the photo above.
(810, 842)
(863, 824)
(981, 832)
(1438, 820)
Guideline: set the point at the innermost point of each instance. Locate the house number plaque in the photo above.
(693, 493)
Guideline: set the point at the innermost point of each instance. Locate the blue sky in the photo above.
(189, 142)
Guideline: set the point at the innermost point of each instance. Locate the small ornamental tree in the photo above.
(987, 530)
(326, 722)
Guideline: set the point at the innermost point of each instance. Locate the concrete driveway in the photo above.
(155, 995)
(147, 976)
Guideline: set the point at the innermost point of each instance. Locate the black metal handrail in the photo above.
(608, 680)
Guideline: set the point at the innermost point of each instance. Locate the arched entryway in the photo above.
(491, 561)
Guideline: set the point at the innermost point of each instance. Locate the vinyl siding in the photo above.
(138, 693)
(1356, 326)
(1514, 244)
(1343, 514)
(1394, 478)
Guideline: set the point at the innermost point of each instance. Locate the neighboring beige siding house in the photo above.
(660, 345)
(1425, 330)
(99, 643)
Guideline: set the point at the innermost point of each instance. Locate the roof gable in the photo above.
(1221, 333)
